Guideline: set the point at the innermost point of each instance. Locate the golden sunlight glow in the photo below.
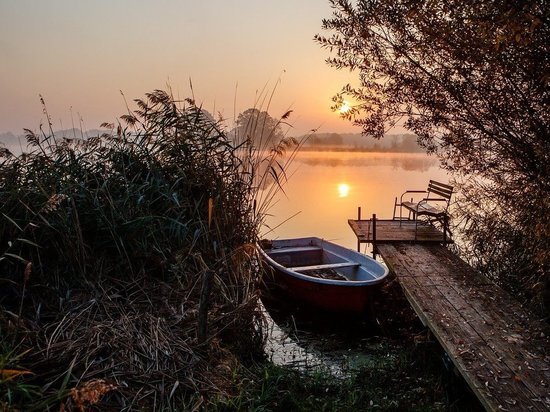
(344, 108)
(343, 190)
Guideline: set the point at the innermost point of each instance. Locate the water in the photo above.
(324, 191)
(326, 188)
(308, 342)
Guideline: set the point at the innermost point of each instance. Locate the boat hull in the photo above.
(283, 262)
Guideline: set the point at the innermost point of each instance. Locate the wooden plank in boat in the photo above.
(293, 249)
(325, 266)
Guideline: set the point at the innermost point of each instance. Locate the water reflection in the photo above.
(305, 341)
(283, 349)
(343, 190)
(405, 161)
(322, 205)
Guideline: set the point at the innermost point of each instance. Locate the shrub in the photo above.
(114, 246)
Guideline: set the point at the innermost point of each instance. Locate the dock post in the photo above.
(358, 218)
(374, 236)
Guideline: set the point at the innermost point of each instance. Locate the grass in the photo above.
(395, 366)
(401, 379)
(129, 276)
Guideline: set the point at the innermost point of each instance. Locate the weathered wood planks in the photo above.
(392, 231)
(498, 348)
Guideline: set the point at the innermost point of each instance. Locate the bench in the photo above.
(434, 206)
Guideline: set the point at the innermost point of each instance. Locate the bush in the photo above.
(114, 246)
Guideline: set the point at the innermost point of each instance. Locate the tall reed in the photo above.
(105, 244)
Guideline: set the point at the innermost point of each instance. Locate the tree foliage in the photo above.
(257, 126)
(470, 79)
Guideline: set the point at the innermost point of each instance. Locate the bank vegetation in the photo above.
(128, 269)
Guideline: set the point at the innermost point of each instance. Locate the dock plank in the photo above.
(488, 317)
(461, 343)
(393, 231)
(502, 352)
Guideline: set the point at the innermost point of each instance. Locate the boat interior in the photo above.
(314, 260)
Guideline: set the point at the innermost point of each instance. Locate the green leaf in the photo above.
(12, 255)
(13, 222)
(27, 241)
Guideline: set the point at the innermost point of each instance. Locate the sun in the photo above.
(345, 107)
(343, 190)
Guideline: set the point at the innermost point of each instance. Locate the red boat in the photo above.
(322, 274)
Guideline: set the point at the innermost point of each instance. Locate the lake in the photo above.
(325, 189)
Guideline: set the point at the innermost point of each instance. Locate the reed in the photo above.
(105, 245)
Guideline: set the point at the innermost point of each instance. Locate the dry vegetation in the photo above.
(128, 272)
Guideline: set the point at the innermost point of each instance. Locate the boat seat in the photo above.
(325, 266)
(293, 249)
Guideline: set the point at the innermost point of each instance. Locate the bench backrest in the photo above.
(440, 189)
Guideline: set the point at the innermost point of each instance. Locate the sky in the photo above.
(79, 55)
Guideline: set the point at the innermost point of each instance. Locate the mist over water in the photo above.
(325, 189)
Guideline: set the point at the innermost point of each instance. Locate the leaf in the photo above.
(129, 119)
(90, 393)
(29, 242)
(176, 384)
(210, 210)
(12, 255)
(287, 114)
(28, 272)
(9, 374)
(13, 222)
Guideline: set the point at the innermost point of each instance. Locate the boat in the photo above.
(322, 274)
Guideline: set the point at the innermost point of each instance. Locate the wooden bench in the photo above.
(434, 206)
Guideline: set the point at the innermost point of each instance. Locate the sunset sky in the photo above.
(79, 55)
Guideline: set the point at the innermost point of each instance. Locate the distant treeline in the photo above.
(73, 133)
(403, 143)
(400, 143)
(18, 143)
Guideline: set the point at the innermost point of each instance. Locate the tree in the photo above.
(263, 131)
(470, 79)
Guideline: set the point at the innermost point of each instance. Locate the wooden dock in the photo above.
(393, 231)
(502, 353)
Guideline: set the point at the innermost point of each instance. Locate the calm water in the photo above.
(326, 188)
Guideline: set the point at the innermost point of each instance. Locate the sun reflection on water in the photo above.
(328, 188)
(343, 190)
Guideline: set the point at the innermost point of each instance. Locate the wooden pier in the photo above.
(500, 350)
(394, 231)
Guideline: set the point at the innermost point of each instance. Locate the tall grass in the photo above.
(112, 246)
